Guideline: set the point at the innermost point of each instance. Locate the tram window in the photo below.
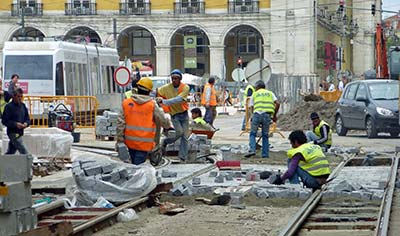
(69, 78)
(114, 85)
(84, 80)
(104, 85)
(29, 67)
(59, 79)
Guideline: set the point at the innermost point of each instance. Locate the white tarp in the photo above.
(192, 79)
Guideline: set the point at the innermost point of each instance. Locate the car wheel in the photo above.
(340, 129)
(394, 134)
(371, 129)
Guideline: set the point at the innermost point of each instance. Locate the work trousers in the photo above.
(311, 137)
(15, 144)
(210, 115)
(263, 119)
(181, 126)
(308, 180)
(137, 157)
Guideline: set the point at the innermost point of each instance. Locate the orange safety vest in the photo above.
(185, 105)
(213, 97)
(140, 129)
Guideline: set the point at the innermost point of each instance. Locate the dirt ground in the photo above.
(260, 217)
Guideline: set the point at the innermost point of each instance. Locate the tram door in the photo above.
(60, 79)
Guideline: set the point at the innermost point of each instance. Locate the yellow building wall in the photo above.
(5, 5)
(265, 4)
(162, 4)
(53, 5)
(107, 4)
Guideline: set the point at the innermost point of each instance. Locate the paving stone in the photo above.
(123, 173)
(213, 174)
(106, 177)
(219, 179)
(262, 194)
(196, 181)
(229, 177)
(356, 194)
(107, 169)
(115, 176)
(159, 180)
(330, 194)
(204, 190)
(377, 196)
(168, 174)
(92, 170)
(177, 191)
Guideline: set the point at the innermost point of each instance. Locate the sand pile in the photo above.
(299, 117)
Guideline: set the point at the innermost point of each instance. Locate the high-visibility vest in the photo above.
(128, 94)
(247, 90)
(316, 163)
(213, 97)
(317, 131)
(140, 128)
(200, 120)
(3, 104)
(263, 101)
(184, 104)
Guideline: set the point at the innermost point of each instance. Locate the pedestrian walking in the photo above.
(209, 101)
(228, 98)
(173, 98)
(264, 106)
(13, 85)
(16, 119)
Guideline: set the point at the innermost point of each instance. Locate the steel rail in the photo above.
(384, 214)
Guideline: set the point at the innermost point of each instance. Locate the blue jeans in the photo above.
(137, 157)
(311, 136)
(308, 180)
(263, 119)
(15, 144)
(181, 125)
(210, 115)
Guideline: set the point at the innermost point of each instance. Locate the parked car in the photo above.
(371, 105)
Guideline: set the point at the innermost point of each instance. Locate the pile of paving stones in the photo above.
(197, 143)
(106, 125)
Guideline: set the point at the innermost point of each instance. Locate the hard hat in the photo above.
(146, 83)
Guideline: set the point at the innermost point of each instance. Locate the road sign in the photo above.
(258, 69)
(238, 75)
(122, 76)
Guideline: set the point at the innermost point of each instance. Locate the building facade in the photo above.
(298, 38)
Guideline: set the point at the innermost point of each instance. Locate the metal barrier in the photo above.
(84, 109)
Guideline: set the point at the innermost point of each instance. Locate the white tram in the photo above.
(63, 69)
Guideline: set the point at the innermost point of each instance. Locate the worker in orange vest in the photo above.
(140, 121)
(209, 100)
(173, 98)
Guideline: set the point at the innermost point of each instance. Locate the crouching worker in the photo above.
(306, 161)
(198, 122)
(140, 122)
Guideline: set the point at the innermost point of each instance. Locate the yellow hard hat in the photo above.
(146, 82)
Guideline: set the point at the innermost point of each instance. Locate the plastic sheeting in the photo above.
(115, 181)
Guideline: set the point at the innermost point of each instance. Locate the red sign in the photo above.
(23, 85)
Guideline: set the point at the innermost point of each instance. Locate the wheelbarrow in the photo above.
(209, 133)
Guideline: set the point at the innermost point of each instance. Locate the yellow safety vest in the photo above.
(263, 101)
(200, 120)
(3, 104)
(316, 163)
(247, 90)
(317, 131)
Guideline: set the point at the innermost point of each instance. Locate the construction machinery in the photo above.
(387, 64)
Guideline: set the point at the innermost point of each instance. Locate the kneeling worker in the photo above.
(306, 161)
(321, 133)
(140, 122)
(198, 122)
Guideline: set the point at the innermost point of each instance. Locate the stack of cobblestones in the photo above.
(197, 143)
(106, 125)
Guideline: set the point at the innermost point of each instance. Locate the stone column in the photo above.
(163, 57)
(217, 61)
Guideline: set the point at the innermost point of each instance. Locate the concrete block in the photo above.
(92, 170)
(123, 173)
(229, 177)
(159, 180)
(105, 169)
(123, 152)
(204, 190)
(18, 221)
(377, 196)
(196, 181)
(19, 197)
(15, 168)
(356, 194)
(237, 174)
(177, 191)
(219, 179)
(213, 174)
(382, 185)
(106, 177)
(262, 194)
(168, 174)
(115, 176)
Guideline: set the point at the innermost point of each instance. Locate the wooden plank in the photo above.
(57, 229)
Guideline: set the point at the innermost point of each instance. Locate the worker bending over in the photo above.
(140, 122)
(198, 122)
(321, 133)
(306, 161)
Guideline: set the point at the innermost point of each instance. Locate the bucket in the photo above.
(76, 136)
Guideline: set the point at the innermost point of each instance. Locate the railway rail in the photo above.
(324, 216)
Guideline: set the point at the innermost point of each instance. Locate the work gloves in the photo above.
(276, 179)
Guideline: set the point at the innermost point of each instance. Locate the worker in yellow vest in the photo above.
(209, 101)
(139, 122)
(173, 98)
(321, 133)
(198, 122)
(306, 161)
(248, 92)
(264, 106)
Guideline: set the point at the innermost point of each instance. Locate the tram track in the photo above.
(324, 216)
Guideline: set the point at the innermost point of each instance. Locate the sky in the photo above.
(391, 5)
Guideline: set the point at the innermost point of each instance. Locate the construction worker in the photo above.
(198, 122)
(305, 161)
(248, 92)
(264, 105)
(173, 98)
(133, 89)
(321, 133)
(139, 122)
(209, 101)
